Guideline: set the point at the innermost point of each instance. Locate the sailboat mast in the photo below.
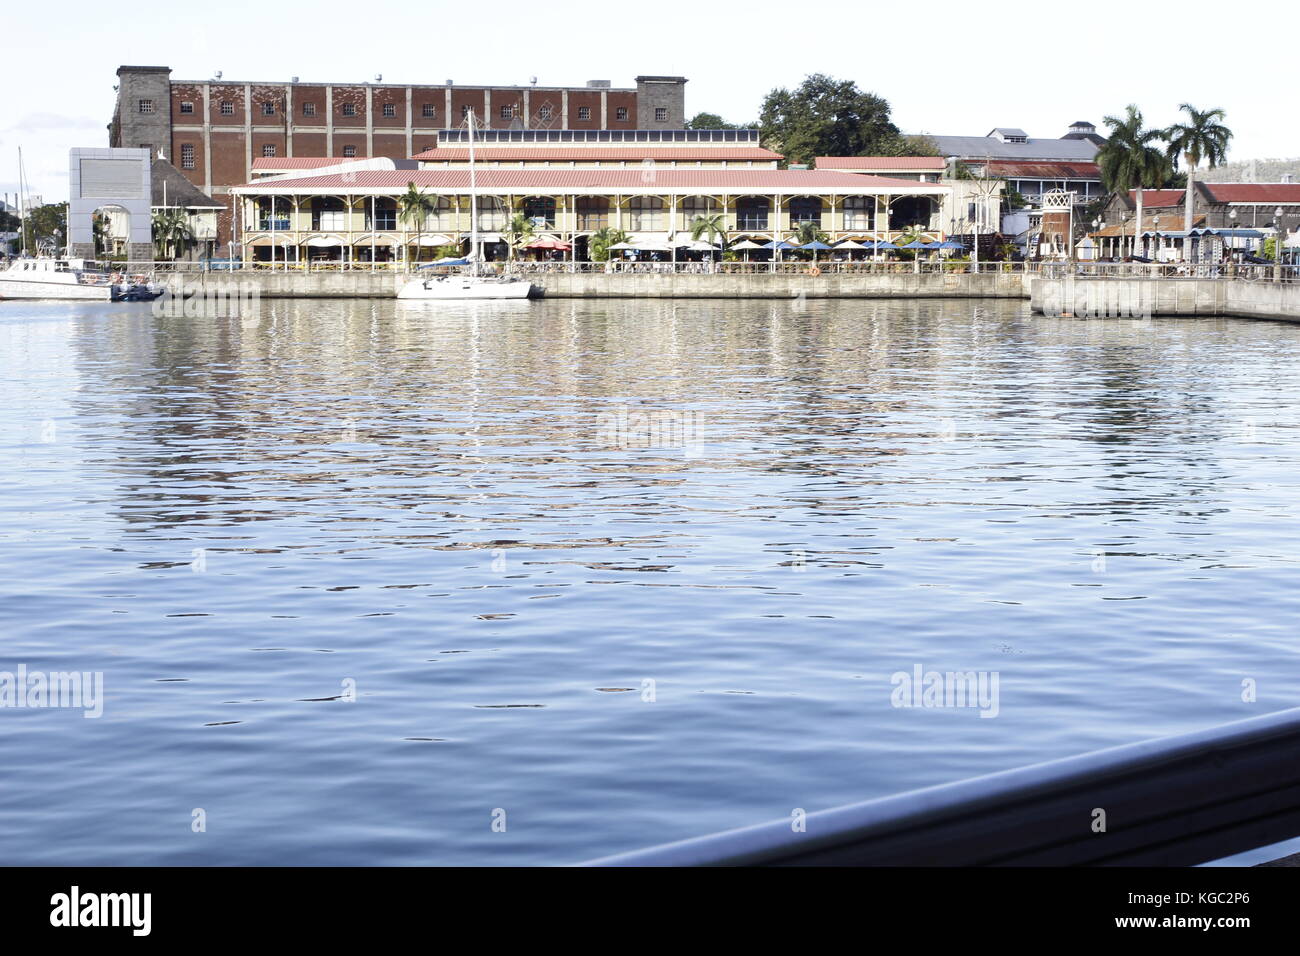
(23, 205)
(473, 200)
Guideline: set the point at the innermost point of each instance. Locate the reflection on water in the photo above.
(358, 574)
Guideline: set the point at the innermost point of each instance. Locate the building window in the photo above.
(390, 109)
(381, 214)
(507, 112)
(752, 212)
(187, 107)
(545, 113)
(491, 213)
(348, 109)
(227, 108)
(621, 113)
(584, 112)
(428, 111)
(661, 114)
(146, 106)
(443, 216)
(187, 155)
(349, 151)
(806, 209)
(308, 109)
(268, 150)
(268, 108)
(327, 213)
(857, 212)
(593, 212)
(541, 210)
(646, 213)
(693, 206)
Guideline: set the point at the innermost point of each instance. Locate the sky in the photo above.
(946, 66)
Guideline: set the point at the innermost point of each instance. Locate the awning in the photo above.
(323, 241)
(376, 240)
(435, 239)
(269, 241)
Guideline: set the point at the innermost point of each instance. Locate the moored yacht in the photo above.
(53, 278)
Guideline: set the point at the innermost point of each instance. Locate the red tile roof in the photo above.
(532, 154)
(926, 163)
(1281, 193)
(1045, 170)
(634, 180)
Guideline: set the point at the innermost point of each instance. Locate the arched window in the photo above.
(328, 213)
(442, 217)
(491, 213)
(857, 212)
(593, 212)
(381, 213)
(541, 210)
(752, 212)
(805, 209)
(646, 213)
(693, 206)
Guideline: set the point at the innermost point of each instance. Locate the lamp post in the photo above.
(1277, 244)
(1155, 239)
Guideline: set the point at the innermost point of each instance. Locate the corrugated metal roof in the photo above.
(659, 180)
(1281, 193)
(927, 163)
(300, 162)
(1048, 150)
(689, 152)
(1158, 198)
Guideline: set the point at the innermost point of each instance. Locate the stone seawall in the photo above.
(1139, 298)
(597, 285)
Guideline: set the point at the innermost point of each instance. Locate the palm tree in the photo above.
(171, 232)
(1130, 160)
(517, 231)
(600, 241)
(713, 225)
(1203, 136)
(414, 205)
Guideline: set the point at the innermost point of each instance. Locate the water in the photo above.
(443, 512)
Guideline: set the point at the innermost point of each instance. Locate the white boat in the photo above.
(466, 286)
(53, 278)
(471, 285)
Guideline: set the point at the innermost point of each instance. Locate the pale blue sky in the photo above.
(946, 66)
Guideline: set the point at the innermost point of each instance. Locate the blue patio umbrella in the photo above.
(916, 244)
(780, 245)
(951, 244)
(885, 244)
(815, 244)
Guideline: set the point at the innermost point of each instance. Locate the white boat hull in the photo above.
(28, 289)
(465, 287)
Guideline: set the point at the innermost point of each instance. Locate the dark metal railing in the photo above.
(1173, 801)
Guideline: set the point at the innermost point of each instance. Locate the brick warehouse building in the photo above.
(213, 130)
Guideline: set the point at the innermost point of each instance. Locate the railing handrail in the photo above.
(1172, 801)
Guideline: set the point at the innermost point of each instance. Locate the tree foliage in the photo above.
(1130, 159)
(710, 121)
(824, 116)
(600, 241)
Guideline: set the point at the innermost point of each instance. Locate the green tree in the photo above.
(599, 242)
(824, 116)
(516, 232)
(709, 121)
(171, 232)
(1130, 159)
(46, 226)
(414, 205)
(808, 231)
(906, 144)
(714, 226)
(1202, 137)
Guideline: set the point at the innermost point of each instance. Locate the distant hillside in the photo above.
(1253, 171)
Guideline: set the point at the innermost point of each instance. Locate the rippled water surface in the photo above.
(451, 511)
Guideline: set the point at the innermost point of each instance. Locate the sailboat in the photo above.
(471, 285)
